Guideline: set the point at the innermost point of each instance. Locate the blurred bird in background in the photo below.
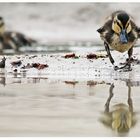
(13, 40)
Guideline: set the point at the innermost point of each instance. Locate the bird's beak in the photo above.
(123, 36)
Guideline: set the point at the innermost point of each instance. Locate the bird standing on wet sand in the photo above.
(119, 33)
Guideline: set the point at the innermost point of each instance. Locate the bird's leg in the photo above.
(130, 52)
(130, 103)
(127, 66)
(109, 55)
(109, 98)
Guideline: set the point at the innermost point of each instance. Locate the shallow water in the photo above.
(68, 98)
(59, 102)
(51, 107)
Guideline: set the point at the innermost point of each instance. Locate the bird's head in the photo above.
(122, 26)
(122, 120)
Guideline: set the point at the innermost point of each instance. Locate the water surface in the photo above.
(51, 107)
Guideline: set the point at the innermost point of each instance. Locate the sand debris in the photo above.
(95, 56)
(35, 65)
(16, 63)
(71, 56)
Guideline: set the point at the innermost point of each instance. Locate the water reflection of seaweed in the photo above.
(18, 80)
(122, 117)
(93, 83)
(71, 82)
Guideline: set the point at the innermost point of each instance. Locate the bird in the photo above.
(121, 116)
(119, 33)
(12, 39)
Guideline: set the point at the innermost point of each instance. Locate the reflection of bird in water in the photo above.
(11, 39)
(121, 117)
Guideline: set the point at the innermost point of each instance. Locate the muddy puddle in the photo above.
(53, 107)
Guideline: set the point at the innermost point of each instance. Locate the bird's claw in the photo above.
(116, 68)
(125, 68)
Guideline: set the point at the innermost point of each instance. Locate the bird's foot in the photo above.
(130, 60)
(116, 68)
(125, 68)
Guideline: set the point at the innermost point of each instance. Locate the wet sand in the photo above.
(68, 97)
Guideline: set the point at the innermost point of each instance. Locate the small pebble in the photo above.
(15, 70)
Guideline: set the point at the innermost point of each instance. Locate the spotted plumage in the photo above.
(119, 33)
(11, 39)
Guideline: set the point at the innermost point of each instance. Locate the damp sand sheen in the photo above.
(69, 97)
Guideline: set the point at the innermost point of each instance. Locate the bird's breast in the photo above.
(118, 46)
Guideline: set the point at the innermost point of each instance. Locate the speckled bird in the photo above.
(119, 33)
(12, 39)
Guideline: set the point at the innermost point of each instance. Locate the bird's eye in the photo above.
(119, 25)
(128, 28)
